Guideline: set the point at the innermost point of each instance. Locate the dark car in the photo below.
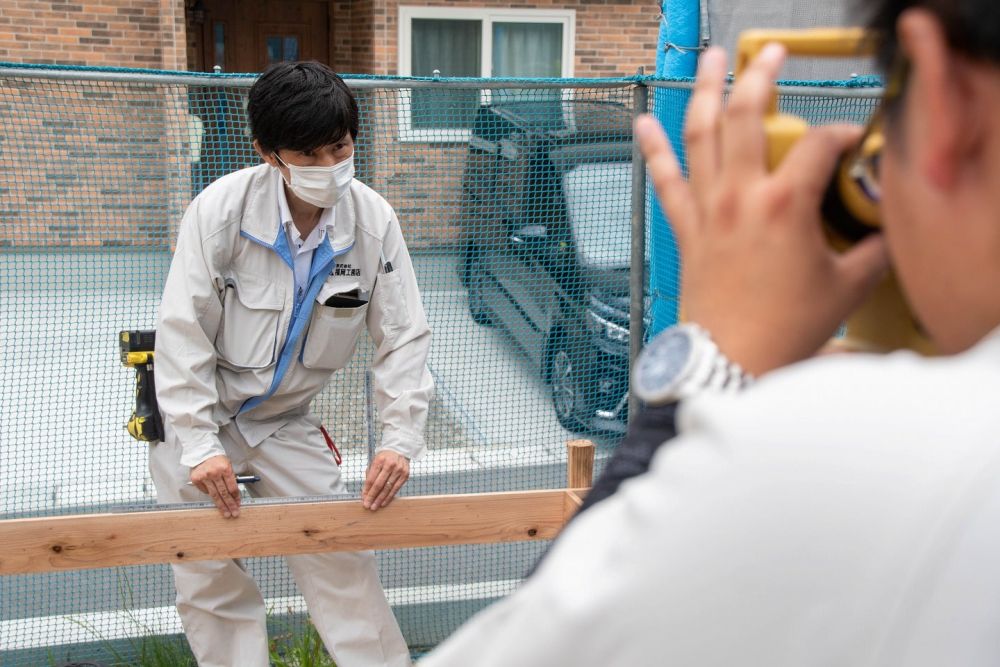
(546, 222)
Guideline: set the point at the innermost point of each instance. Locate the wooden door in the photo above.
(249, 35)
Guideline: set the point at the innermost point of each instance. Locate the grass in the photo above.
(296, 646)
(149, 650)
(301, 649)
(155, 651)
(146, 651)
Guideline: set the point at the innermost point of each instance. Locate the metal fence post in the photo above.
(637, 275)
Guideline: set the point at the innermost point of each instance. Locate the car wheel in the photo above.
(476, 283)
(567, 394)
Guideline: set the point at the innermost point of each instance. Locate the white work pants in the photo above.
(219, 603)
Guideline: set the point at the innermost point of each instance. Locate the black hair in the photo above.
(301, 106)
(972, 27)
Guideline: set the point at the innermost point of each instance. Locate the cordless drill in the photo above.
(136, 349)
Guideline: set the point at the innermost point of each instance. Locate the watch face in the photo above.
(661, 364)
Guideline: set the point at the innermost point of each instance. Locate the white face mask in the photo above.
(320, 186)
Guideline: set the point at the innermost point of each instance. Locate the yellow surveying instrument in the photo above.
(136, 350)
(850, 208)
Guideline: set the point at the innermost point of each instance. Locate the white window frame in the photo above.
(486, 16)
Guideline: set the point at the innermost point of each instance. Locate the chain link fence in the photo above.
(516, 201)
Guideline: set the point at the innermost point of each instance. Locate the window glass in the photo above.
(281, 48)
(477, 42)
(527, 49)
(599, 204)
(291, 50)
(454, 49)
(273, 50)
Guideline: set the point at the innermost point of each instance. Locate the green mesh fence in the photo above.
(515, 203)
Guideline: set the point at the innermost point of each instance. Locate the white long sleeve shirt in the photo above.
(843, 511)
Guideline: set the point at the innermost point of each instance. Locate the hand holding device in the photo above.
(758, 273)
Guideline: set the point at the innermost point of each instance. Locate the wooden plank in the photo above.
(174, 536)
(574, 501)
(580, 464)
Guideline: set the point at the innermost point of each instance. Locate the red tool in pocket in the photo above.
(333, 447)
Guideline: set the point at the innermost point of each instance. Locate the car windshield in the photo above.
(599, 205)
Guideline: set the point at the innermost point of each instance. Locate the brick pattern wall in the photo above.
(95, 165)
(91, 163)
(120, 33)
(616, 38)
(612, 37)
(363, 36)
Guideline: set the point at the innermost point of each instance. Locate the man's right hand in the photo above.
(758, 272)
(215, 477)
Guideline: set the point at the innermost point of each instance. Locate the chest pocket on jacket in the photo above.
(251, 313)
(333, 335)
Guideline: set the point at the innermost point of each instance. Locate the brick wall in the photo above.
(91, 163)
(121, 33)
(96, 164)
(612, 38)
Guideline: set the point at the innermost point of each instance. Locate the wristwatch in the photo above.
(683, 361)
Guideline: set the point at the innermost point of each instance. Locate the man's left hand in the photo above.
(386, 475)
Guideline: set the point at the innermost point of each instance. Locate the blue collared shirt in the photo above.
(302, 249)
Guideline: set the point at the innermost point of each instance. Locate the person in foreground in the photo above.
(841, 510)
(277, 271)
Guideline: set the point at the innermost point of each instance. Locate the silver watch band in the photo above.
(713, 371)
(681, 362)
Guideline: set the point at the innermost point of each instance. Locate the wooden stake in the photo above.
(580, 464)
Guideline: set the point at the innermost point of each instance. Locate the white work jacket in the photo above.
(842, 511)
(234, 344)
